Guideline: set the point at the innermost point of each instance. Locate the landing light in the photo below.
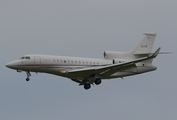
(63, 71)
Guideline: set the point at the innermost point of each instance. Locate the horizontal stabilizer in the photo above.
(151, 53)
(165, 52)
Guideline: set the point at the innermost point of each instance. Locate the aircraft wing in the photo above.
(110, 69)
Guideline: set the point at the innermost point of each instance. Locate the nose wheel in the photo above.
(28, 75)
(27, 79)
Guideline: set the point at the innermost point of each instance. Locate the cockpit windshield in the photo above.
(26, 57)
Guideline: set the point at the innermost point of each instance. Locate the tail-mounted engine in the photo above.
(118, 61)
(114, 54)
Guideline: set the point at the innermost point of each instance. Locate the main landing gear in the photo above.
(88, 86)
(98, 81)
(28, 75)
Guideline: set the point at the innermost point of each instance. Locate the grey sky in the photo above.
(87, 28)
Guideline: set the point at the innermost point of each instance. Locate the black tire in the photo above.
(98, 81)
(87, 86)
(27, 79)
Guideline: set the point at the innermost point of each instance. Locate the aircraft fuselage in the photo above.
(59, 65)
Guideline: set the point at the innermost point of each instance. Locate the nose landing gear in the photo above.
(28, 75)
(27, 79)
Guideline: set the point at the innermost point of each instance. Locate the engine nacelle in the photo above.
(114, 54)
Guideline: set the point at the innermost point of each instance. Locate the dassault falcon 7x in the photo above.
(87, 71)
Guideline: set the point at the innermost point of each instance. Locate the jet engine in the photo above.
(118, 61)
(114, 54)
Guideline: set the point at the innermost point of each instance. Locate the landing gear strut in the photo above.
(28, 75)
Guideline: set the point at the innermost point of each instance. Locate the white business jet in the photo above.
(87, 71)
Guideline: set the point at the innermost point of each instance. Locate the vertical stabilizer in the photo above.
(145, 46)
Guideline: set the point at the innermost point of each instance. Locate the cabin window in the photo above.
(68, 61)
(64, 61)
(57, 60)
(76, 62)
(83, 62)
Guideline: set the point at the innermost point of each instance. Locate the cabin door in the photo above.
(37, 62)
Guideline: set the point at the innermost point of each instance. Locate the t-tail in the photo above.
(143, 49)
(145, 46)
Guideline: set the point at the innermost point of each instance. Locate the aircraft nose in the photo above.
(10, 65)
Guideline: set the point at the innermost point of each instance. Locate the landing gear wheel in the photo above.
(98, 81)
(87, 86)
(27, 79)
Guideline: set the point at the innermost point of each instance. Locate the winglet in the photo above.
(156, 53)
